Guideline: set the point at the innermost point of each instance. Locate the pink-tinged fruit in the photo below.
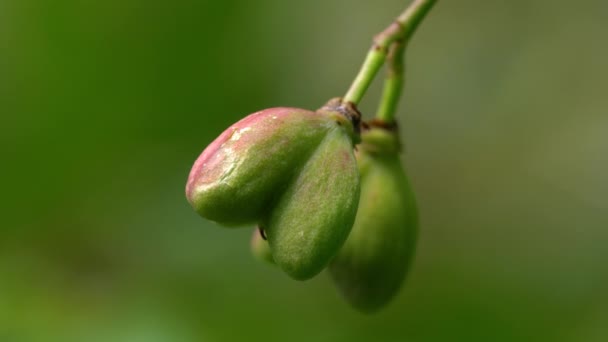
(292, 171)
(238, 177)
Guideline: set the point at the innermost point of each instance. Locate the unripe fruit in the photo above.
(313, 218)
(260, 248)
(290, 170)
(372, 264)
(239, 175)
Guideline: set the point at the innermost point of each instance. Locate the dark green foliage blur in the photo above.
(104, 105)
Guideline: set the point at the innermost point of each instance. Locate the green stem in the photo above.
(393, 83)
(401, 29)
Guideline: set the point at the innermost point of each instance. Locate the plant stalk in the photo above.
(393, 84)
(401, 29)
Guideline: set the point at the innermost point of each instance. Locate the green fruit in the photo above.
(260, 248)
(315, 214)
(293, 172)
(239, 175)
(372, 264)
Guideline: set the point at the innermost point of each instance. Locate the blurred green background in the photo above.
(104, 105)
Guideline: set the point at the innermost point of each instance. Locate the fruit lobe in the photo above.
(237, 177)
(314, 216)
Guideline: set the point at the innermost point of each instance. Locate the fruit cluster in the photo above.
(324, 189)
(318, 199)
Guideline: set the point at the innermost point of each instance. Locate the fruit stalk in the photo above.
(401, 29)
(393, 84)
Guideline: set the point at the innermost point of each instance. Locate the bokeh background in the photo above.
(104, 105)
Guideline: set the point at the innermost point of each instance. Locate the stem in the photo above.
(401, 29)
(393, 83)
